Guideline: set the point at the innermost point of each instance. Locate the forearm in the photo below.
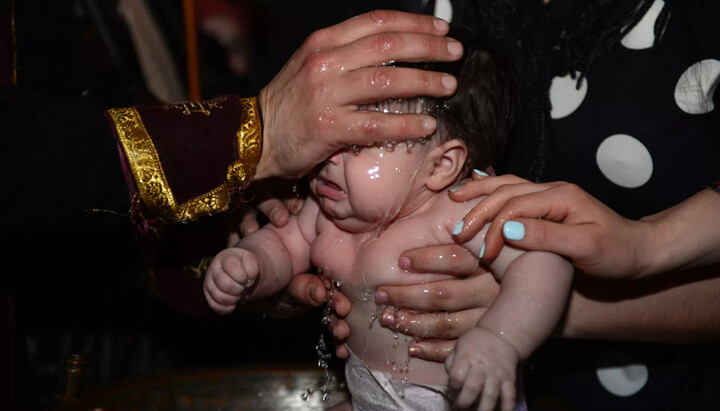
(683, 237)
(666, 309)
(533, 296)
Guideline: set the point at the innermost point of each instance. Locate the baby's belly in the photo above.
(385, 350)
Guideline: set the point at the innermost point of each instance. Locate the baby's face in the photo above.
(373, 186)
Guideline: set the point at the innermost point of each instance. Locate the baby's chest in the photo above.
(369, 260)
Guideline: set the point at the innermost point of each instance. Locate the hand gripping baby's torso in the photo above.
(358, 263)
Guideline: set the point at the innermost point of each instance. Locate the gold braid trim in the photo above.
(149, 177)
(249, 142)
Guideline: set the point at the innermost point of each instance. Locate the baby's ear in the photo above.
(448, 160)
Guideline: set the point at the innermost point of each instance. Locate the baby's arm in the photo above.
(533, 294)
(262, 263)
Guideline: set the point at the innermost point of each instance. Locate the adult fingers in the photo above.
(433, 350)
(450, 259)
(491, 206)
(364, 126)
(373, 22)
(556, 203)
(294, 204)
(437, 325)
(372, 84)
(275, 210)
(307, 289)
(390, 46)
(339, 328)
(447, 295)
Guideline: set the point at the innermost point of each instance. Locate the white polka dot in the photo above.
(695, 88)
(642, 36)
(623, 381)
(565, 96)
(624, 160)
(443, 10)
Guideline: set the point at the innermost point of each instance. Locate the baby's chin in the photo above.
(358, 222)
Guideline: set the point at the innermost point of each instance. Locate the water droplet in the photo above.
(409, 145)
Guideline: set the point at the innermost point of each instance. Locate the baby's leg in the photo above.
(230, 274)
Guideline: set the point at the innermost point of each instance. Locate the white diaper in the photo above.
(374, 390)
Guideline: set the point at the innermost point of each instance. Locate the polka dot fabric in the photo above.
(642, 133)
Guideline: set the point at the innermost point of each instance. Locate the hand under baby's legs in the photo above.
(228, 277)
(483, 365)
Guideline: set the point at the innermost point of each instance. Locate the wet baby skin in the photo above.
(367, 208)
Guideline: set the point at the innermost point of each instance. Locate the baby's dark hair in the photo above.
(481, 112)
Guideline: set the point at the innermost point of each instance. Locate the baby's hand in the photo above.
(483, 366)
(229, 276)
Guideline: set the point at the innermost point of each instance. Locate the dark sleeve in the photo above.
(185, 161)
(64, 220)
(59, 161)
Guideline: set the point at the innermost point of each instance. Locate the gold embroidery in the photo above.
(149, 177)
(202, 107)
(249, 141)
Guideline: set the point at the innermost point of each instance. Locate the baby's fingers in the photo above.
(474, 385)
(509, 394)
(490, 393)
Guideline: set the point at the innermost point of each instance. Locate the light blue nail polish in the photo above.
(480, 172)
(482, 251)
(458, 228)
(513, 230)
(456, 187)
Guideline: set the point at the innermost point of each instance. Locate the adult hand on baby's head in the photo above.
(309, 109)
(437, 313)
(556, 217)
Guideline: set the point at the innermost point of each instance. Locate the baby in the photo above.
(369, 205)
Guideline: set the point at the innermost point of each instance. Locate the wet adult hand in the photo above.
(311, 290)
(439, 312)
(557, 217)
(309, 109)
(276, 199)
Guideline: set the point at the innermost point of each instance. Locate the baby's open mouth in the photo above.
(327, 188)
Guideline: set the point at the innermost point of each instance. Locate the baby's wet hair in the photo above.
(481, 111)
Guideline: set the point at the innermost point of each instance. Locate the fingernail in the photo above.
(381, 297)
(458, 228)
(456, 187)
(513, 230)
(274, 214)
(482, 251)
(404, 262)
(455, 48)
(449, 82)
(480, 173)
(313, 295)
(414, 350)
(441, 25)
(387, 319)
(429, 124)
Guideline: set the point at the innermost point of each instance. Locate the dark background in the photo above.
(74, 282)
